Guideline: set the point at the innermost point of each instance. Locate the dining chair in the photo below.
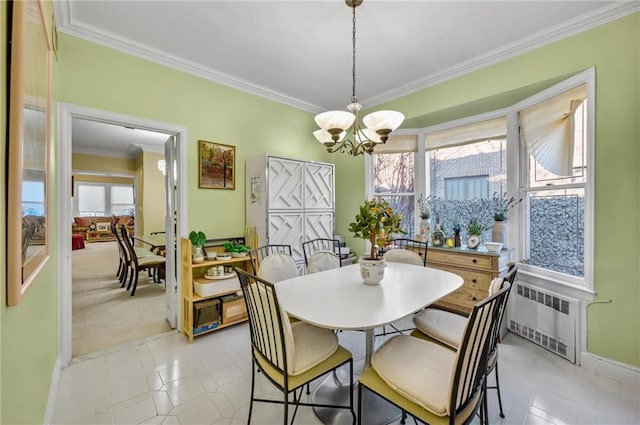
(320, 244)
(152, 263)
(417, 247)
(447, 328)
(430, 382)
(124, 257)
(289, 355)
(273, 262)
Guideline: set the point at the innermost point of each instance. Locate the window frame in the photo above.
(516, 173)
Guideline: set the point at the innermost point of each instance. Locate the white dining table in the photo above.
(338, 299)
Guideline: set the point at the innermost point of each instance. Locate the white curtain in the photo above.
(548, 130)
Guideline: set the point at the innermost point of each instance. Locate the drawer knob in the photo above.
(474, 281)
(474, 298)
(474, 261)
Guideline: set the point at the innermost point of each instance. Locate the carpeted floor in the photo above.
(105, 315)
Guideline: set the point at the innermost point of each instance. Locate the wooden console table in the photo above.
(99, 236)
(476, 266)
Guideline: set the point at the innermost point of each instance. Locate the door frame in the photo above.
(66, 112)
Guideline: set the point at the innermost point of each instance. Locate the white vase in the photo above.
(198, 255)
(372, 271)
(499, 233)
(425, 230)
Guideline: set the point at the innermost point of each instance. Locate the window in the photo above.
(103, 199)
(554, 149)
(463, 188)
(394, 177)
(544, 159)
(466, 164)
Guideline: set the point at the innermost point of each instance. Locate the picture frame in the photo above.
(216, 165)
(29, 150)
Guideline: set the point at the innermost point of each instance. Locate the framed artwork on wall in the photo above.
(28, 182)
(216, 166)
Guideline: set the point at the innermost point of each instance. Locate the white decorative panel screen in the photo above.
(286, 190)
(318, 185)
(289, 201)
(318, 225)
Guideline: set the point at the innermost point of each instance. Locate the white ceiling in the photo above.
(299, 52)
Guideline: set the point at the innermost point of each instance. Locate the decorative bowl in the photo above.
(224, 256)
(493, 246)
(238, 254)
(211, 255)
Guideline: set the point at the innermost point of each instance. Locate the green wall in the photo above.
(28, 331)
(614, 50)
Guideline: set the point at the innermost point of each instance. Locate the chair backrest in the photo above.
(403, 256)
(260, 253)
(270, 330)
(277, 267)
(319, 244)
(419, 247)
(123, 250)
(131, 252)
(471, 357)
(322, 260)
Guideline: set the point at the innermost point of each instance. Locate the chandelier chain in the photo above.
(353, 41)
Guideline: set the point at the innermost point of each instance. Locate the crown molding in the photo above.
(67, 24)
(575, 26)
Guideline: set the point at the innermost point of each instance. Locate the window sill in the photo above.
(555, 285)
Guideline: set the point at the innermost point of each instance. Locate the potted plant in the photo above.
(424, 209)
(500, 206)
(198, 240)
(475, 228)
(375, 218)
(236, 249)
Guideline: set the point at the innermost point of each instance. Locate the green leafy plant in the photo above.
(374, 219)
(475, 227)
(500, 205)
(235, 247)
(197, 238)
(424, 206)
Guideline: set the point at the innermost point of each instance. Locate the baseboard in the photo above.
(53, 393)
(627, 374)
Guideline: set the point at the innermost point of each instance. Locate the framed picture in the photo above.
(216, 165)
(28, 183)
(255, 190)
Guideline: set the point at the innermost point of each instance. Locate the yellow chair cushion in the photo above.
(373, 381)
(340, 356)
(418, 370)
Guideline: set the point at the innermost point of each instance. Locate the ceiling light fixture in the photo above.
(341, 130)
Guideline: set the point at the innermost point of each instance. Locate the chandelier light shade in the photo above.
(341, 131)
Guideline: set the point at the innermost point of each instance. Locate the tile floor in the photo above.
(164, 380)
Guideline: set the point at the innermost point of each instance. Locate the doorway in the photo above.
(67, 115)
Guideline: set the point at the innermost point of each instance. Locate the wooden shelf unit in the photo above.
(194, 272)
(476, 266)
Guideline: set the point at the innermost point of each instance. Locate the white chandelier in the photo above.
(341, 130)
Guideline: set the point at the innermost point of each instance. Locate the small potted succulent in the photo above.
(375, 218)
(198, 240)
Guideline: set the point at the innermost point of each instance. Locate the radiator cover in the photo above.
(544, 318)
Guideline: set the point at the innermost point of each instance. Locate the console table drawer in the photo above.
(459, 260)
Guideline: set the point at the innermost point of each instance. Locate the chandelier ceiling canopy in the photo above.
(341, 131)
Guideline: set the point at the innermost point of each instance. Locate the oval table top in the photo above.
(338, 298)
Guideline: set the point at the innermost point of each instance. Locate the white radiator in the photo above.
(544, 318)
